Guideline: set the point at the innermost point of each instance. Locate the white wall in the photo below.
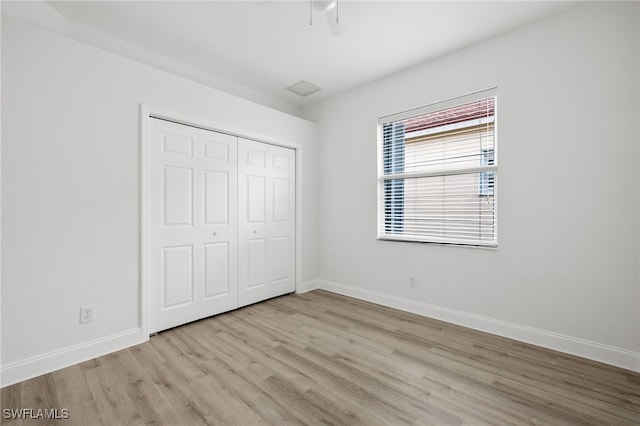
(565, 273)
(42, 14)
(71, 196)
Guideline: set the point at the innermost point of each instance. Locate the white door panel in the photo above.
(266, 228)
(216, 269)
(216, 197)
(177, 276)
(281, 258)
(281, 162)
(256, 198)
(214, 150)
(256, 156)
(177, 196)
(255, 264)
(177, 144)
(280, 199)
(192, 224)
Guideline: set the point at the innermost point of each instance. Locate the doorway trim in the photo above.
(147, 112)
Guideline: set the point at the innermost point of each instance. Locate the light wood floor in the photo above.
(322, 359)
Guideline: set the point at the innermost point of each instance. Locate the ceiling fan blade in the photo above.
(262, 2)
(324, 5)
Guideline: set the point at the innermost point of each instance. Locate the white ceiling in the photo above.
(266, 46)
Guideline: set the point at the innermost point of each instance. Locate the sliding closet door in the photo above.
(192, 224)
(266, 225)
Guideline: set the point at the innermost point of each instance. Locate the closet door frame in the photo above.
(146, 114)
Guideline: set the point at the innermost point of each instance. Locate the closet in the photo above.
(221, 222)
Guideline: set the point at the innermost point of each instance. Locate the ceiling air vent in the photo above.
(303, 88)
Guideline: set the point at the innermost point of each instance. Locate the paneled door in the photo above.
(192, 224)
(266, 225)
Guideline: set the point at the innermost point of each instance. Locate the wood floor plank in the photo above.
(187, 407)
(309, 405)
(324, 359)
(72, 390)
(113, 403)
(245, 387)
(10, 398)
(150, 404)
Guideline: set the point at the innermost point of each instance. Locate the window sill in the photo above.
(487, 245)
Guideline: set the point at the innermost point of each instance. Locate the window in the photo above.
(438, 173)
(486, 180)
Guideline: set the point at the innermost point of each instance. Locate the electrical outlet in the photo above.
(413, 282)
(87, 314)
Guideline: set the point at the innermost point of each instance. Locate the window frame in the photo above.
(481, 169)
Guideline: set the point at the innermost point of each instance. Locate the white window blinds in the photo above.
(438, 173)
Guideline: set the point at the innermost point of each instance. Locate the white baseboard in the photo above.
(308, 286)
(572, 345)
(55, 360)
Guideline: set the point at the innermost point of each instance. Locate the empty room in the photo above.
(320, 212)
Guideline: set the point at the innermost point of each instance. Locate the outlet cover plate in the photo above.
(87, 314)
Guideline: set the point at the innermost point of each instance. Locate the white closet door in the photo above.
(192, 224)
(266, 225)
